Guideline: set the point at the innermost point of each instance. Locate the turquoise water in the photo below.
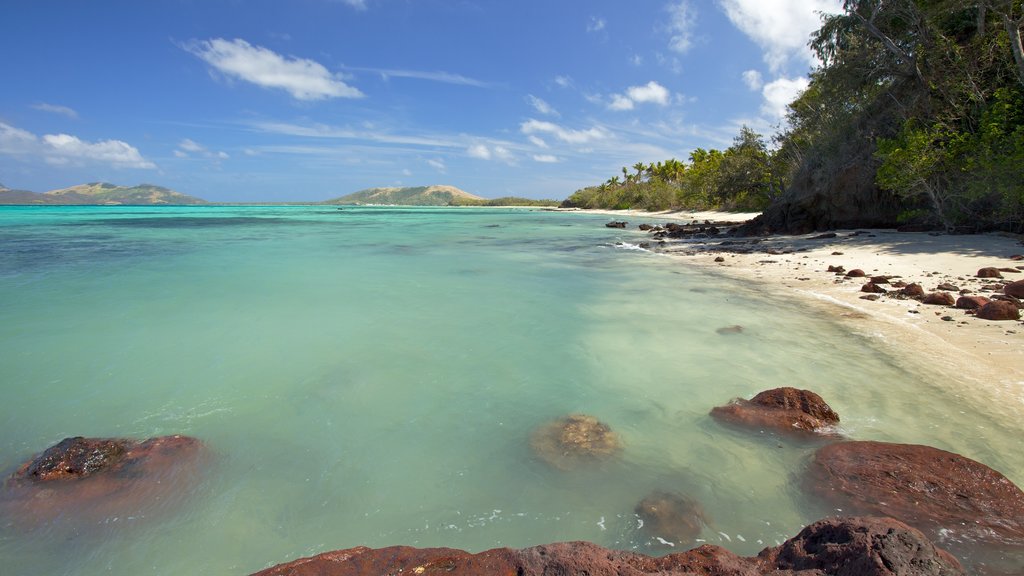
(372, 376)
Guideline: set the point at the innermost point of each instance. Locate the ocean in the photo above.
(372, 376)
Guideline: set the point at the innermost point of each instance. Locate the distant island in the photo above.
(433, 195)
(99, 193)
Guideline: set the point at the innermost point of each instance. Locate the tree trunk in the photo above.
(1013, 31)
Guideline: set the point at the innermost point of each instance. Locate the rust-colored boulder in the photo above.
(573, 440)
(989, 272)
(671, 516)
(941, 493)
(88, 479)
(912, 291)
(971, 302)
(939, 299)
(781, 409)
(872, 288)
(856, 273)
(1015, 289)
(838, 546)
(999, 310)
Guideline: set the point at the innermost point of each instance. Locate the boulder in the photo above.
(912, 291)
(616, 224)
(971, 302)
(989, 273)
(671, 516)
(999, 310)
(838, 546)
(1015, 289)
(942, 493)
(872, 288)
(780, 409)
(939, 299)
(856, 273)
(89, 479)
(574, 440)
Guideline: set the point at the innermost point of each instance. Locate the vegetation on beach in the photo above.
(915, 115)
(503, 201)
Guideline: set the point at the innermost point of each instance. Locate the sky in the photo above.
(305, 100)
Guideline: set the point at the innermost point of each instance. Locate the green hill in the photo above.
(409, 196)
(100, 193)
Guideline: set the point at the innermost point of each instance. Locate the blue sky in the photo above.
(312, 99)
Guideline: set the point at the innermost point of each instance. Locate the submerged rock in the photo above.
(671, 516)
(734, 329)
(93, 478)
(782, 409)
(840, 546)
(616, 224)
(573, 440)
(940, 492)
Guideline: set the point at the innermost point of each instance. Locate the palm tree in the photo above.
(639, 167)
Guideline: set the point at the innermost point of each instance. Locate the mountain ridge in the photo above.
(100, 193)
(431, 195)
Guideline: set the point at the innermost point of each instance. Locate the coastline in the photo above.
(986, 356)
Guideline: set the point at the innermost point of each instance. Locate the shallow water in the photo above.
(372, 377)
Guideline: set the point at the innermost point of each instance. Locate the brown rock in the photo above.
(616, 224)
(734, 329)
(872, 288)
(1017, 257)
(839, 546)
(88, 479)
(913, 290)
(574, 440)
(989, 273)
(880, 279)
(999, 310)
(939, 299)
(1015, 289)
(782, 409)
(836, 269)
(936, 491)
(948, 287)
(971, 302)
(856, 273)
(719, 259)
(671, 516)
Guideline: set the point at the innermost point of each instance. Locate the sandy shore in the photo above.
(987, 355)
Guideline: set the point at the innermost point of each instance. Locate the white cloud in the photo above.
(15, 140)
(190, 146)
(682, 19)
(545, 158)
(538, 141)
(479, 151)
(406, 172)
(650, 93)
(438, 164)
(302, 78)
(753, 79)
(565, 135)
(563, 81)
(56, 109)
(778, 94)
(541, 106)
(596, 24)
(781, 28)
(180, 154)
(66, 148)
(357, 4)
(435, 76)
(222, 155)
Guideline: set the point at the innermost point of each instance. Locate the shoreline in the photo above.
(980, 357)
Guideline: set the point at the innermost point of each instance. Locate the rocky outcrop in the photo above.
(839, 546)
(780, 409)
(574, 440)
(93, 478)
(936, 491)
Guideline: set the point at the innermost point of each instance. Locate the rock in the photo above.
(1017, 257)
(782, 409)
(719, 259)
(671, 516)
(1015, 289)
(948, 287)
(989, 273)
(870, 297)
(999, 310)
(971, 302)
(734, 329)
(856, 273)
(89, 479)
(942, 493)
(836, 269)
(839, 546)
(880, 279)
(939, 299)
(645, 227)
(616, 224)
(912, 291)
(574, 440)
(872, 288)
(827, 236)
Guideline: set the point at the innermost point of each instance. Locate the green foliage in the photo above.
(503, 201)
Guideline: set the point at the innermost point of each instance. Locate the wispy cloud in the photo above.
(753, 79)
(779, 93)
(345, 133)
(564, 134)
(438, 164)
(56, 109)
(67, 149)
(596, 24)
(652, 93)
(492, 152)
(304, 79)
(357, 4)
(434, 76)
(780, 27)
(545, 158)
(187, 147)
(541, 106)
(682, 21)
(563, 81)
